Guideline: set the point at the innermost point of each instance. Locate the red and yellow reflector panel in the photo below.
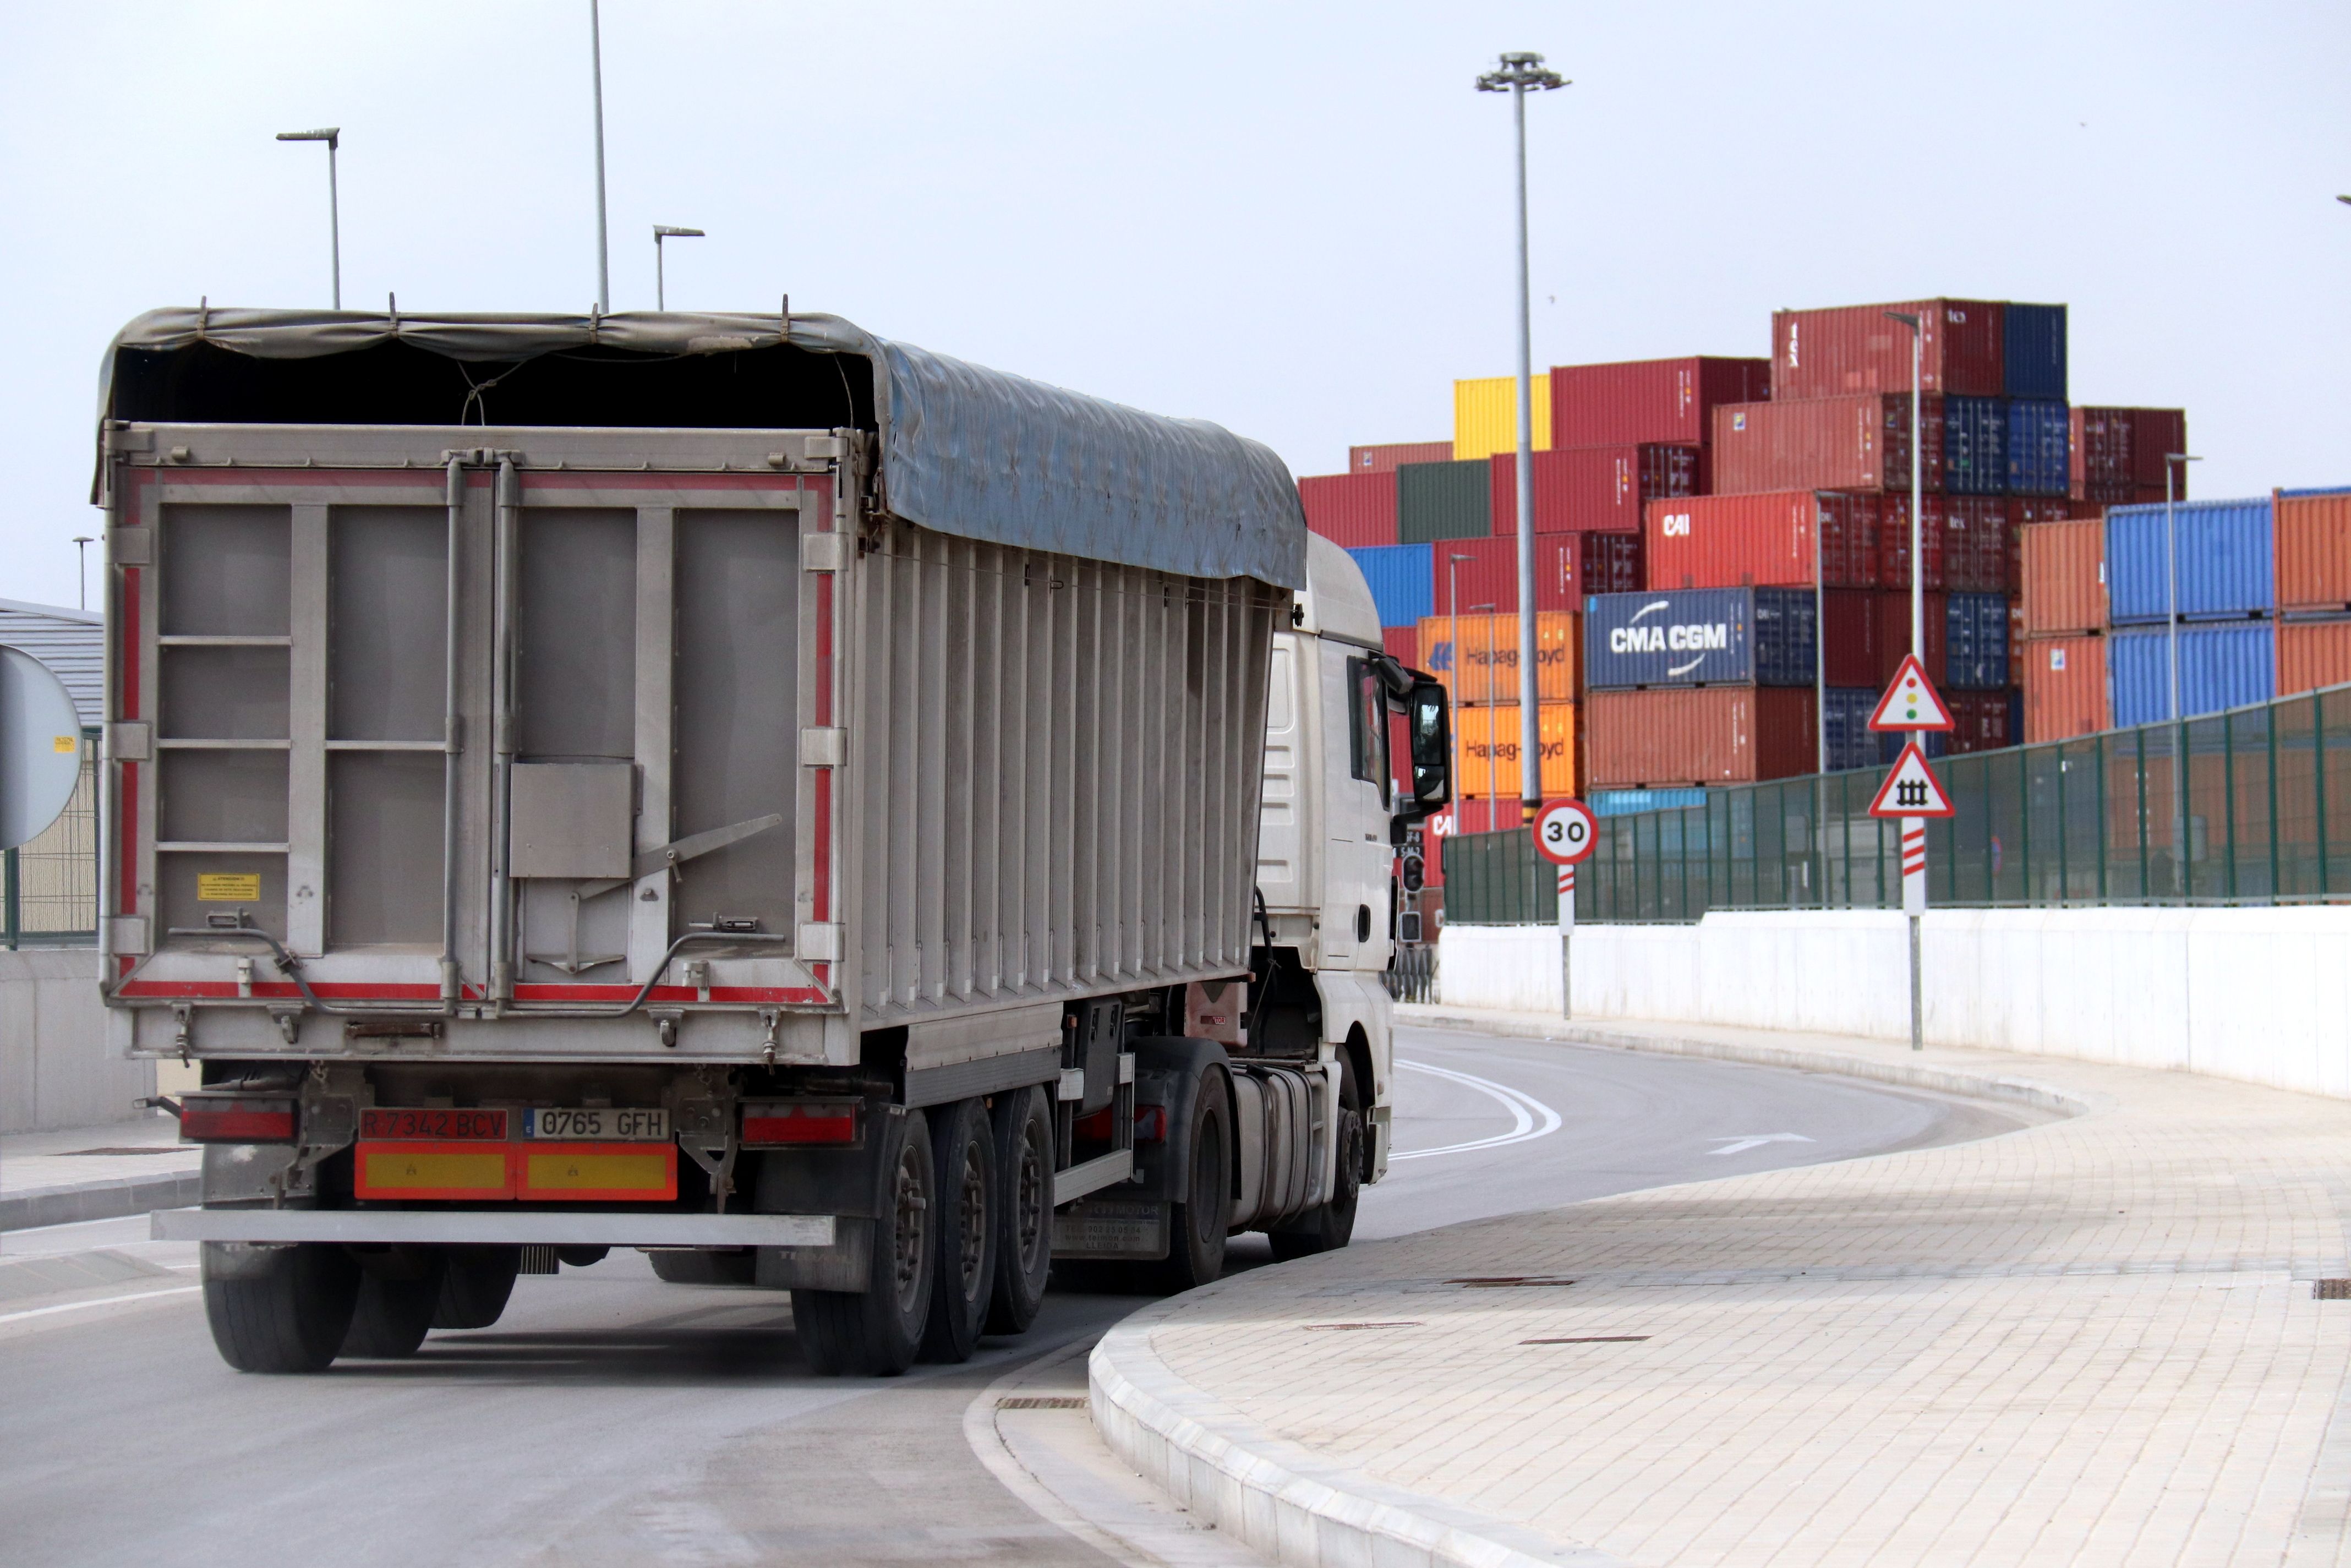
(597, 1173)
(434, 1170)
(453, 1171)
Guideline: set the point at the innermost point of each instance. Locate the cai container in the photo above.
(1763, 540)
(1975, 447)
(1484, 670)
(2312, 550)
(1442, 501)
(1860, 443)
(1400, 581)
(2313, 653)
(2062, 568)
(2033, 350)
(1486, 416)
(2064, 681)
(1704, 636)
(2225, 561)
(1690, 736)
(1487, 748)
(1592, 489)
(2040, 443)
(1388, 458)
(1857, 348)
(1975, 642)
(2223, 664)
(1352, 510)
(1636, 400)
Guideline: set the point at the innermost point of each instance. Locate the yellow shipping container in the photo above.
(1489, 661)
(1486, 416)
(1486, 751)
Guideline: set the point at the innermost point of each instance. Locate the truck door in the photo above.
(1355, 788)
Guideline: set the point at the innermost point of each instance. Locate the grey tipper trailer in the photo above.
(723, 785)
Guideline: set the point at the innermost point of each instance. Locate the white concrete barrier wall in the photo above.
(56, 1068)
(2261, 994)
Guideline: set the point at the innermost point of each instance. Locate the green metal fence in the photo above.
(2260, 797)
(48, 887)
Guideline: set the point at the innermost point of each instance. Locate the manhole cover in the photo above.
(2331, 1289)
(1043, 1402)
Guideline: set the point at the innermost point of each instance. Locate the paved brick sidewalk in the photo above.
(2093, 1341)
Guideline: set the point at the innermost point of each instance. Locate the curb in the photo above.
(100, 1200)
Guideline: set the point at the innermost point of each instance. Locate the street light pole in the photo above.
(2180, 846)
(1914, 829)
(1518, 74)
(332, 136)
(82, 566)
(661, 284)
(596, 68)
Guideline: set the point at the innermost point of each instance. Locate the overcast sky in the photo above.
(1291, 218)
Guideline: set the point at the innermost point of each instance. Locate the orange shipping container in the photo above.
(1488, 666)
(1671, 736)
(2313, 551)
(2064, 567)
(2064, 686)
(2310, 654)
(1486, 751)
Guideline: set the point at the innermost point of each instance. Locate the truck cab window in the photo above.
(1368, 727)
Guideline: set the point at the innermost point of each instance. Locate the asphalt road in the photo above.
(610, 1418)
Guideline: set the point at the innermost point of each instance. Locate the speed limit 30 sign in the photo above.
(1566, 832)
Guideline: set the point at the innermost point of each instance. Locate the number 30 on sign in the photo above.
(1566, 832)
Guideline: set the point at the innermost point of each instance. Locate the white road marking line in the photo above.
(1740, 1143)
(1531, 1117)
(101, 1302)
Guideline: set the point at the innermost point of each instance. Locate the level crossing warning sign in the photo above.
(1911, 702)
(1911, 789)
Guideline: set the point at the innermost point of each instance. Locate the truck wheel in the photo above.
(397, 1303)
(1196, 1226)
(279, 1308)
(1330, 1226)
(1024, 1238)
(736, 1267)
(963, 1151)
(475, 1286)
(877, 1331)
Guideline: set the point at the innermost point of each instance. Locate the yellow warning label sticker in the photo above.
(229, 886)
(65, 745)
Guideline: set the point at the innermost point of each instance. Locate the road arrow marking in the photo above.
(1739, 1145)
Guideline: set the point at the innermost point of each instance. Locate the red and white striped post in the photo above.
(1566, 832)
(1911, 792)
(1566, 934)
(1914, 904)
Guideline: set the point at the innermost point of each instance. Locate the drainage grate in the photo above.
(1503, 1282)
(2331, 1289)
(1043, 1402)
(1342, 1328)
(1592, 1339)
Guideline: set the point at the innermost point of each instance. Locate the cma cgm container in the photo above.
(1705, 636)
(1352, 510)
(1388, 458)
(2064, 681)
(1975, 447)
(1594, 489)
(2033, 350)
(1975, 642)
(2313, 653)
(1782, 538)
(2221, 664)
(1486, 750)
(1400, 577)
(1638, 400)
(2063, 578)
(2040, 443)
(2225, 561)
(1442, 501)
(1963, 539)
(1687, 737)
(1857, 348)
(2312, 550)
(1484, 670)
(1825, 443)
(1486, 416)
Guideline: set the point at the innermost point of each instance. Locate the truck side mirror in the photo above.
(1430, 726)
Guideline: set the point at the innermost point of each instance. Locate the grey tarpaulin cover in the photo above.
(965, 450)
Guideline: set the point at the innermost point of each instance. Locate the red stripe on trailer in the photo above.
(606, 479)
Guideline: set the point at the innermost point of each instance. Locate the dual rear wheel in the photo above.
(295, 1309)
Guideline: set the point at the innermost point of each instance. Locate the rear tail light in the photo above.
(205, 1120)
(801, 1122)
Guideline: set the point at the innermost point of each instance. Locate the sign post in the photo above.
(1911, 794)
(1565, 833)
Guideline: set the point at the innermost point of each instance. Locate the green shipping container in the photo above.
(1442, 501)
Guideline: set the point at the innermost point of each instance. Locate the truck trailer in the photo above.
(835, 817)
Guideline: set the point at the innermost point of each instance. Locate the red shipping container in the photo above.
(2116, 456)
(1854, 649)
(2064, 687)
(1763, 540)
(1591, 490)
(1637, 400)
(1352, 510)
(1826, 443)
(1979, 721)
(1567, 567)
(1894, 634)
(2314, 549)
(1386, 459)
(1670, 736)
(2156, 433)
(2063, 578)
(1965, 540)
(2313, 653)
(1855, 349)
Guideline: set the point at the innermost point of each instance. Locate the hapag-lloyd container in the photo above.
(1975, 642)
(2033, 350)
(1486, 751)
(1705, 636)
(2039, 447)
(2064, 577)
(1857, 348)
(2313, 551)
(1638, 400)
(1669, 737)
(1592, 489)
(2064, 681)
(1859, 443)
(2313, 653)
(1567, 568)
(2223, 664)
(2226, 563)
(1484, 671)
(1386, 459)
(1763, 541)
(1399, 577)
(1964, 539)
(1442, 501)
(1352, 510)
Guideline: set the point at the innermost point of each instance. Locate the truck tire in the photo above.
(279, 1309)
(963, 1152)
(876, 1332)
(1024, 1239)
(396, 1305)
(1196, 1227)
(475, 1285)
(736, 1267)
(1330, 1226)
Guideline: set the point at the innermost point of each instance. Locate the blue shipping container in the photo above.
(2225, 549)
(1699, 637)
(1975, 642)
(2039, 448)
(2033, 351)
(1624, 802)
(1851, 744)
(1403, 580)
(1975, 447)
(2220, 665)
